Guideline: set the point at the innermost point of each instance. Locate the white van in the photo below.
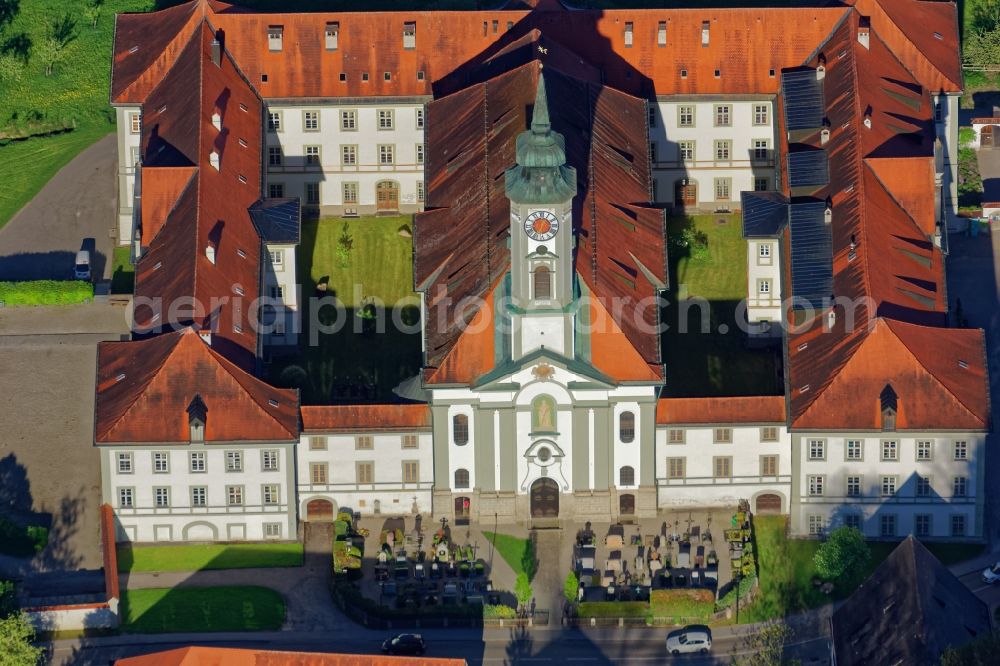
(82, 269)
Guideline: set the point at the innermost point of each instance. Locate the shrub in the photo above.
(571, 587)
(729, 598)
(843, 556)
(8, 598)
(19, 541)
(345, 516)
(522, 589)
(966, 137)
(613, 609)
(46, 292)
(682, 602)
(499, 612)
(340, 528)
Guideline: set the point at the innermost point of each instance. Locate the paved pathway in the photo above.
(79, 203)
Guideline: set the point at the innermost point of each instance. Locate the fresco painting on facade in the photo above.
(539, 162)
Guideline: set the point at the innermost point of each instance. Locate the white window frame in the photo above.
(197, 462)
(814, 445)
(234, 461)
(126, 462)
(161, 462)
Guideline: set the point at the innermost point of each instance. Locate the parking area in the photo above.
(48, 464)
(75, 210)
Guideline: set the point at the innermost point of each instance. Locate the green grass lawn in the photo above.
(359, 259)
(209, 556)
(169, 610)
(74, 97)
(715, 362)
(786, 569)
(122, 271)
(46, 292)
(516, 552)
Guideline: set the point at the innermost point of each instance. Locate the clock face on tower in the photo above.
(541, 225)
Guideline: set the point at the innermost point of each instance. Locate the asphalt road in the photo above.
(597, 648)
(79, 203)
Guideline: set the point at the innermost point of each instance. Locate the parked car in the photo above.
(692, 638)
(992, 574)
(404, 644)
(81, 269)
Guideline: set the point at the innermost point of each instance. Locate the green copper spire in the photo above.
(541, 175)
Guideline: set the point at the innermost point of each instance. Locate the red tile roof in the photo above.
(352, 418)
(749, 409)
(210, 209)
(144, 389)
(213, 656)
(885, 263)
(938, 374)
(745, 45)
(626, 260)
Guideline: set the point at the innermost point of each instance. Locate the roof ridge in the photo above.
(152, 376)
(229, 366)
(888, 324)
(856, 126)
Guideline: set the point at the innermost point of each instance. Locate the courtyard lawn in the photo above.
(367, 264)
(189, 609)
(714, 362)
(122, 271)
(209, 556)
(518, 553)
(72, 100)
(787, 571)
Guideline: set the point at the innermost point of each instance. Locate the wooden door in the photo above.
(319, 510)
(386, 196)
(768, 504)
(686, 193)
(544, 499)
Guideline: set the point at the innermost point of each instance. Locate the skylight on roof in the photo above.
(938, 35)
(133, 49)
(963, 364)
(120, 377)
(272, 402)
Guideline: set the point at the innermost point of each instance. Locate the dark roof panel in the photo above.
(812, 257)
(808, 168)
(802, 98)
(765, 214)
(277, 220)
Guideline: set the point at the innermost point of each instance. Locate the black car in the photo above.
(404, 644)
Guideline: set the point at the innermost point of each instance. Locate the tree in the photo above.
(9, 10)
(765, 647)
(8, 598)
(843, 556)
(52, 50)
(16, 635)
(571, 587)
(92, 12)
(522, 589)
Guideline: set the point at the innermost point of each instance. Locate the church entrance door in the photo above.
(544, 499)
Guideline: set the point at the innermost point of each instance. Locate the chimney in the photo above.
(864, 31)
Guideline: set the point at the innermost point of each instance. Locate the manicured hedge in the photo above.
(613, 609)
(45, 292)
(501, 612)
(729, 598)
(682, 602)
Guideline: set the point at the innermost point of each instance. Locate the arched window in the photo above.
(626, 476)
(461, 479)
(626, 427)
(543, 414)
(460, 429)
(543, 283)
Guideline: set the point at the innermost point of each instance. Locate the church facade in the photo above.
(540, 159)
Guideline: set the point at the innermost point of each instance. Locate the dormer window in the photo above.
(889, 403)
(197, 416)
(213, 159)
(217, 121)
(332, 36)
(661, 33)
(628, 34)
(210, 253)
(274, 37)
(409, 35)
(705, 27)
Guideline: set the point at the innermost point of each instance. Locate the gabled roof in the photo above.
(216, 656)
(145, 389)
(909, 611)
(222, 166)
(355, 418)
(938, 374)
(888, 275)
(605, 141)
(748, 409)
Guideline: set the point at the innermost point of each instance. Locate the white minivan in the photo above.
(82, 269)
(693, 638)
